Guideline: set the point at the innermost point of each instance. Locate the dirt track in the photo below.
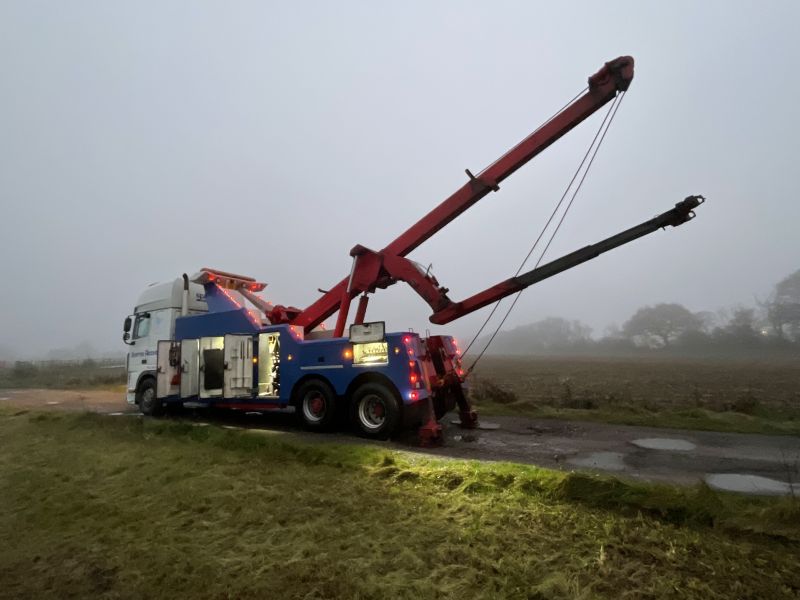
(637, 452)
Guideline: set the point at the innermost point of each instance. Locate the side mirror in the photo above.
(126, 328)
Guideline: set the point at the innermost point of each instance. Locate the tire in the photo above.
(146, 398)
(375, 410)
(445, 401)
(441, 407)
(316, 405)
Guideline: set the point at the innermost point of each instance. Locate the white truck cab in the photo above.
(153, 319)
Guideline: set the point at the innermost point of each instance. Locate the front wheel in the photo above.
(149, 404)
(375, 410)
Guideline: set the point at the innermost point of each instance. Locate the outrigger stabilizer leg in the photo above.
(430, 433)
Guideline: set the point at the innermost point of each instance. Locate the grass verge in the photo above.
(97, 506)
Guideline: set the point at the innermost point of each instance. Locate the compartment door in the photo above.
(167, 367)
(238, 357)
(190, 368)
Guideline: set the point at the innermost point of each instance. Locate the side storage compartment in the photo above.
(269, 365)
(212, 366)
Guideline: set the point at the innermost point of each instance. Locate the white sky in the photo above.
(142, 140)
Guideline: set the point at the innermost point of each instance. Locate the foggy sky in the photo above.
(141, 140)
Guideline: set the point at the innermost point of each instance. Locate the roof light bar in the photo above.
(227, 280)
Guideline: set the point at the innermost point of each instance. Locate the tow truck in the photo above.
(209, 339)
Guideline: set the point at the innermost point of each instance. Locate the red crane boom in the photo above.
(372, 270)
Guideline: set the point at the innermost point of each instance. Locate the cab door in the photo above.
(238, 361)
(190, 368)
(167, 369)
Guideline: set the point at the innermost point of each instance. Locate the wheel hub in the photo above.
(372, 412)
(317, 405)
(147, 397)
(314, 407)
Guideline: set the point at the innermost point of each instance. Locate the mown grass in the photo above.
(733, 396)
(115, 507)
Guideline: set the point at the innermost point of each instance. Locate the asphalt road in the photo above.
(739, 462)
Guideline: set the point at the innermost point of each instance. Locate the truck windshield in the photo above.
(142, 326)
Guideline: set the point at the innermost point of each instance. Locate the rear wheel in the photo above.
(149, 404)
(375, 410)
(316, 405)
(442, 404)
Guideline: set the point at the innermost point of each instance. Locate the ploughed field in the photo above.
(747, 396)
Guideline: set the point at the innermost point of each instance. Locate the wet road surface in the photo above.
(738, 462)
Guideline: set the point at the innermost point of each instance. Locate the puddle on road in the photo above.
(5, 398)
(607, 461)
(664, 444)
(749, 484)
(480, 425)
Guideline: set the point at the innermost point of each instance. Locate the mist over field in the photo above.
(144, 141)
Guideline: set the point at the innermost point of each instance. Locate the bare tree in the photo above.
(662, 322)
(783, 307)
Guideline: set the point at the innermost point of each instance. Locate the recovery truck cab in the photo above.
(153, 319)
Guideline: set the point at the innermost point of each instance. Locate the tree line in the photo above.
(771, 326)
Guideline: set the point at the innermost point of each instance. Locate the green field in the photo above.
(721, 395)
(59, 375)
(122, 507)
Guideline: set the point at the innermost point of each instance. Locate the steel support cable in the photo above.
(539, 128)
(610, 116)
(549, 220)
